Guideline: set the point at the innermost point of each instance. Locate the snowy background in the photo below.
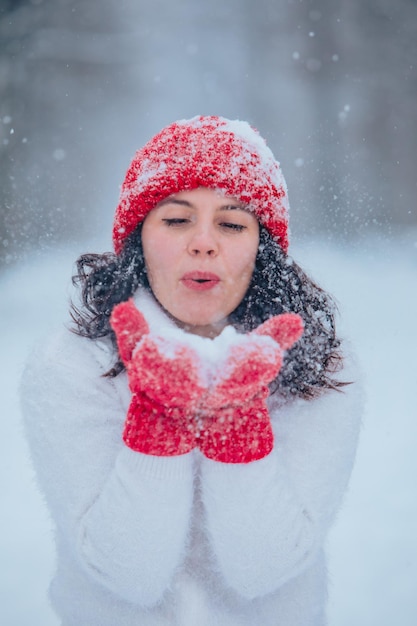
(333, 88)
(372, 548)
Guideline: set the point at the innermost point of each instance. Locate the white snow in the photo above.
(213, 355)
(250, 137)
(373, 547)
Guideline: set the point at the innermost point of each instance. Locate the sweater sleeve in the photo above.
(123, 515)
(268, 519)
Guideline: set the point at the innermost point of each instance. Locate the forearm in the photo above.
(260, 532)
(123, 514)
(133, 536)
(268, 519)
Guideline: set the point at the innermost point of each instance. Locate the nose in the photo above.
(203, 243)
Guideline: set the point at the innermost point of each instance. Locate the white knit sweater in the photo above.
(181, 541)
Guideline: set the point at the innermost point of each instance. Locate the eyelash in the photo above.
(232, 226)
(177, 221)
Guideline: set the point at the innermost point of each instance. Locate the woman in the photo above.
(195, 435)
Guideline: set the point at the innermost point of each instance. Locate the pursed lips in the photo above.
(200, 281)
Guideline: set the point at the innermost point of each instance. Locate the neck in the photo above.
(210, 330)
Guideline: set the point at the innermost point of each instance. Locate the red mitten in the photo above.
(164, 384)
(236, 427)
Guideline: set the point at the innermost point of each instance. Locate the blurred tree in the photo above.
(57, 67)
(334, 85)
(381, 129)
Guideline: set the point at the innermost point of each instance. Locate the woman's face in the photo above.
(200, 249)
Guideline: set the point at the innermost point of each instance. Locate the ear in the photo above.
(285, 329)
(129, 325)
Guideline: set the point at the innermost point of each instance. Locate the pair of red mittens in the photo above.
(174, 409)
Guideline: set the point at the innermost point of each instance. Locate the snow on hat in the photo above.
(211, 152)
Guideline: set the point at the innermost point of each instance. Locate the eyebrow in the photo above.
(186, 203)
(170, 200)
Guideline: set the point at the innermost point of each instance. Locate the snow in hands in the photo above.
(185, 395)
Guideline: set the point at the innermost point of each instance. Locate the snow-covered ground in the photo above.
(373, 546)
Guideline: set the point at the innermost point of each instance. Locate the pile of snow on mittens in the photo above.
(189, 391)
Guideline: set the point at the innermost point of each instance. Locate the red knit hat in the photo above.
(208, 152)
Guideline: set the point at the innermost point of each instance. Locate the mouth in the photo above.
(200, 281)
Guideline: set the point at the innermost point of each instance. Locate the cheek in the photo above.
(245, 278)
(158, 255)
(241, 276)
(248, 259)
(246, 265)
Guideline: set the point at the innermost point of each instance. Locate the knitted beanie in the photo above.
(208, 152)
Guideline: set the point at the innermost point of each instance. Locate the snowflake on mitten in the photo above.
(201, 392)
(163, 378)
(236, 427)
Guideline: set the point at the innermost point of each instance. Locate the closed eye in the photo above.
(232, 226)
(175, 221)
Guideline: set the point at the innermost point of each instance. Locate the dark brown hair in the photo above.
(278, 285)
